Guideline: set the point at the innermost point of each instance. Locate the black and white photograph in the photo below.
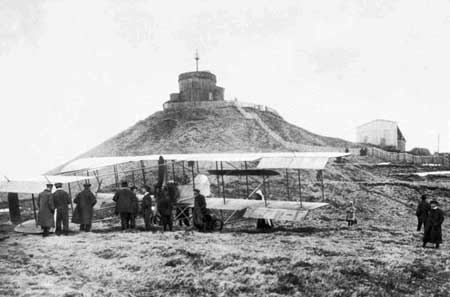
(224, 148)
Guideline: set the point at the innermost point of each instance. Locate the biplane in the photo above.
(264, 166)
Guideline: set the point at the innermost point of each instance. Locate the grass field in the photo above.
(316, 258)
(380, 256)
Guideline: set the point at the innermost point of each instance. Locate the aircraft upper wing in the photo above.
(36, 184)
(98, 162)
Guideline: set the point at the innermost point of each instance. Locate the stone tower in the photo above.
(197, 86)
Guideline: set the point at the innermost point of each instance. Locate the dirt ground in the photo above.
(380, 256)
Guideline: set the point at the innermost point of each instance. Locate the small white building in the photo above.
(381, 132)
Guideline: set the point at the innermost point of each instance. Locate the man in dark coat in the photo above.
(62, 200)
(433, 232)
(126, 206)
(46, 210)
(147, 208)
(84, 211)
(201, 215)
(165, 209)
(422, 211)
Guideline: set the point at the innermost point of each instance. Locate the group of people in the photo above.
(59, 201)
(431, 217)
(126, 207)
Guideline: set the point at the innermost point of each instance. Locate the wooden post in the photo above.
(133, 177)
(144, 180)
(299, 187)
(198, 169)
(14, 208)
(246, 178)
(34, 208)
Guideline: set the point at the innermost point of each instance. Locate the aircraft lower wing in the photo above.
(240, 204)
(258, 209)
(276, 214)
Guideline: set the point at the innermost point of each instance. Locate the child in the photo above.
(351, 214)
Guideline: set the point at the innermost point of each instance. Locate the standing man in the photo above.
(126, 206)
(46, 210)
(422, 211)
(433, 231)
(201, 215)
(84, 211)
(147, 208)
(165, 209)
(61, 200)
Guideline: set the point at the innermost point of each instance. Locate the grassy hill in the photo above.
(223, 129)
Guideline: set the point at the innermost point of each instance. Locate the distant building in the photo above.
(381, 132)
(197, 86)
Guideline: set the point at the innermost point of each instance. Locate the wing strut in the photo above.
(223, 183)
(299, 187)
(287, 184)
(246, 177)
(34, 208)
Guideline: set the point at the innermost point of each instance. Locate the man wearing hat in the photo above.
(84, 211)
(422, 211)
(433, 231)
(61, 200)
(46, 210)
(201, 215)
(126, 206)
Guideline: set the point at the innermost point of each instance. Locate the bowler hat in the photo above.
(58, 185)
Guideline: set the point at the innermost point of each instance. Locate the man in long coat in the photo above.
(201, 215)
(165, 208)
(126, 206)
(433, 231)
(46, 210)
(61, 200)
(84, 211)
(147, 208)
(422, 211)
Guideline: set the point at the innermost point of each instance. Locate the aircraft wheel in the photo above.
(217, 225)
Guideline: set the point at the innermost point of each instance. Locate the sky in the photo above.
(74, 73)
